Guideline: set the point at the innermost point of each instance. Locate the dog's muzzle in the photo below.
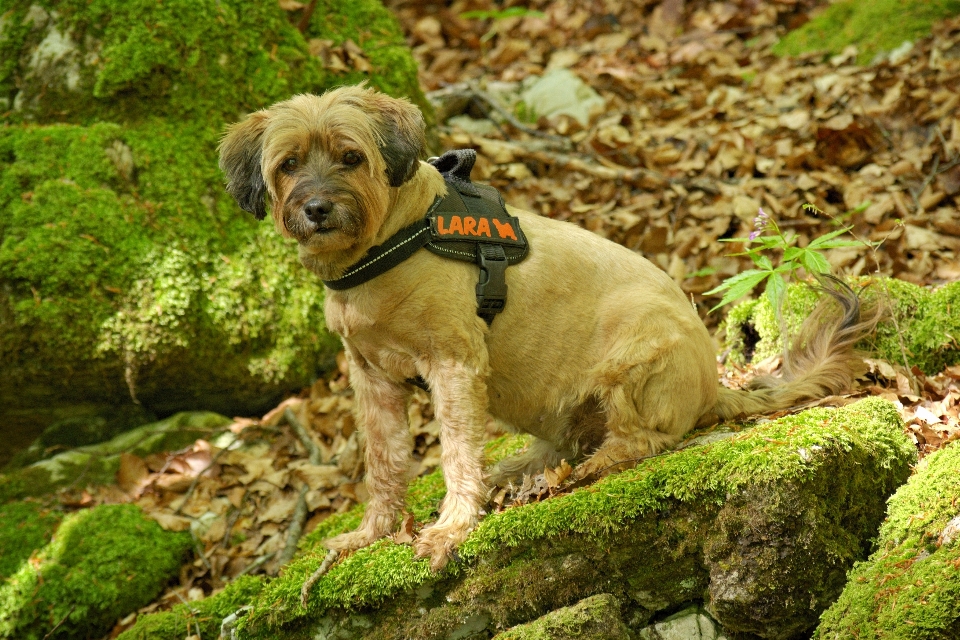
(317, 211)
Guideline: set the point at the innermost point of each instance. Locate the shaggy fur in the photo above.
(598, 352)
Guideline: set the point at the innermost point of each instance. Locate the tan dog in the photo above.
(597, 353)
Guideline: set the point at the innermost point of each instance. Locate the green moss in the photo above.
(201, 618)
(122, 259)
(789, 451)
(909, 588)
(102, 564)
(24, 528)
(98, 464)
(875, 27)
(200, 60)
(594, 618)
(921, 325)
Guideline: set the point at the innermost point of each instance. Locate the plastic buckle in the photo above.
(492, 288)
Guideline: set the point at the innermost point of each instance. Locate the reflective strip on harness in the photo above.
(470, 223)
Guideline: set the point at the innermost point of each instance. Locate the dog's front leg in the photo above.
(460, 403)
(381, 411)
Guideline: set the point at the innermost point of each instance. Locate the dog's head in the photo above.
(326, 164)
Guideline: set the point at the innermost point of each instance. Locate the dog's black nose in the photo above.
(317, 210)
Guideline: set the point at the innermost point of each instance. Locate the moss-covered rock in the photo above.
(909, 588)
(921, 325)
(98, 464)
(762, 525)
(876, 27)
(24, 528)
(690, 623)
(202, 618)
(124, 267)
(593, 618)
(102, 564)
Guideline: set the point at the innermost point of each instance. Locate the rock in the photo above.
(201, 617)
(923, 325)
(765, 524)
(875, 27)
(102, 564)
(98, 463)
(561, 92)
(593, 618)
(24, 528)
(692, 623)
(126, 271)
(909, 587)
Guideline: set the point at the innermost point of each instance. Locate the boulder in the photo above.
(909, 587)
(127, 274)
(102, 564)
(875, 28)
(593, 618)
(761, 526)
(919, 326)
(97, 464)
(24, 528)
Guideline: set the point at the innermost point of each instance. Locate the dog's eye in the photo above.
(352, 158)
(290, 164)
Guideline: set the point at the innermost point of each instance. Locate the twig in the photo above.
(304, 23)
(296, 527)
(313, 451)
(196, 479)
(471, 91)
(563, 141)
(62, 620)
(228, 628)
(316, 575)
(253, 566)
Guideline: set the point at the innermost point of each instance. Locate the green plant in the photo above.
(497, 15)
(794, 258)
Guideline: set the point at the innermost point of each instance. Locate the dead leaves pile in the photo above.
(238, 495)
(701, 129)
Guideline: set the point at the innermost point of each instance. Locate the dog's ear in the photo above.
(240, 154)
(403, 139)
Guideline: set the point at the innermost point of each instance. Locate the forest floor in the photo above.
(695, 126)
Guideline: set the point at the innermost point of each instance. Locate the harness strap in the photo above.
(386, 256)
(470, 224)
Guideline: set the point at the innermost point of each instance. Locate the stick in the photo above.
(196, 479)
(255, 564)
(296, 527)
(62, 620)
(316, 575)
(312, 449)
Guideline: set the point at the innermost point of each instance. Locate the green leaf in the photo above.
(833, 244)
(776, 289)
(699, 273)
(791, 253)
(817, 243)
(814, 262)
(738, 286)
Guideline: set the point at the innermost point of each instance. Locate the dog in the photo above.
(598, 354)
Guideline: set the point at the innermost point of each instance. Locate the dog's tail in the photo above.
(820, 362)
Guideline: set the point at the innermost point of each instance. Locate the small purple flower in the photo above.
(759, 224)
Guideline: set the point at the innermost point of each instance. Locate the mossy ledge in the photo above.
(102, 564)
(921, 328)
(762, 526)
(98, 463)
(909, 588)
(124, 266)
(876, 27)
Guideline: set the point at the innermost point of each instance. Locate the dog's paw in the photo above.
(350, 541)
(438, 543)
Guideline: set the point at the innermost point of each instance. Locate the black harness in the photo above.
(470, 224)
